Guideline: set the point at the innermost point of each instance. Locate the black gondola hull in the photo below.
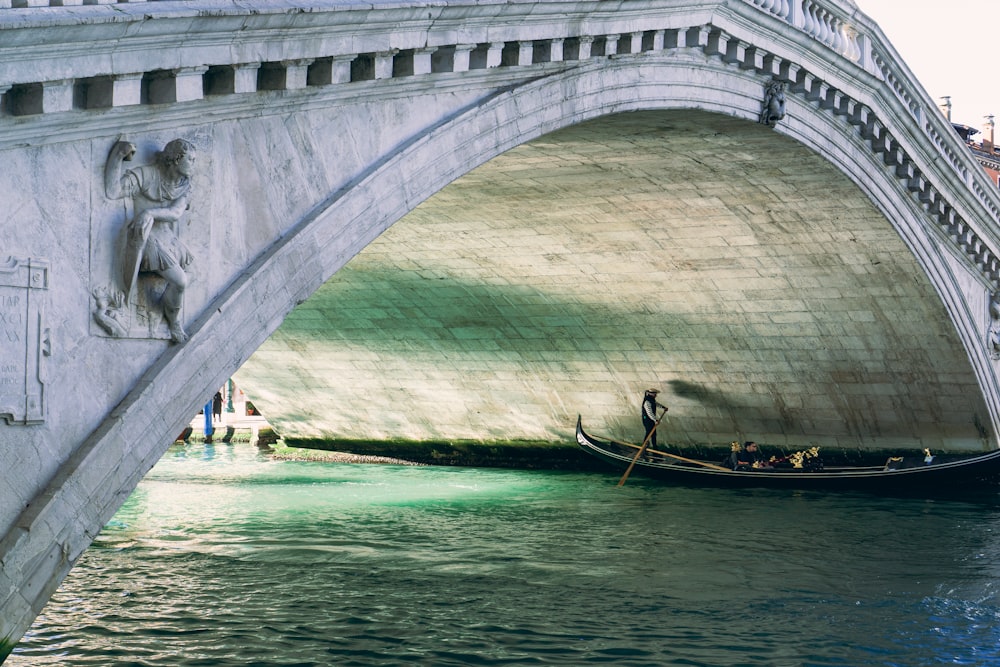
(940, 477)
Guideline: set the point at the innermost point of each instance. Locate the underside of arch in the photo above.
(733, 268)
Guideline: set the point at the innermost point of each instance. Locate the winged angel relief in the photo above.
(152, 260)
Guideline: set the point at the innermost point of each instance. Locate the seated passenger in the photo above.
(747, 457)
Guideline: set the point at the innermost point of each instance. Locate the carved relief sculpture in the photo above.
(993, 334)
(774, 103)
(153, 260)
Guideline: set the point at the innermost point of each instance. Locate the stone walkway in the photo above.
(241, 424)
(246, 429)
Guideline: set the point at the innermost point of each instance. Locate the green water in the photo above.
(224, 558)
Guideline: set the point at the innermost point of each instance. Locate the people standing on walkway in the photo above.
(649, 418)
(217, 406)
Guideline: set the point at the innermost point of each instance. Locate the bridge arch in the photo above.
(740, 99)
(876, 138)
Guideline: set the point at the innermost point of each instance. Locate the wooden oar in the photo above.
(694, 461)
(673, 456)
(645, 442)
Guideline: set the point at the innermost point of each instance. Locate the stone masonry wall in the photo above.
(705, 256)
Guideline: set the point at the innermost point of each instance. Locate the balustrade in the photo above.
(831, 23)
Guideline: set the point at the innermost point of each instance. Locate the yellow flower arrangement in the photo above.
(799, 458)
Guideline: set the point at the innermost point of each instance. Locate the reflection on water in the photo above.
(223, 558)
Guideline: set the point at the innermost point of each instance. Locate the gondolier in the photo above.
(649, 418)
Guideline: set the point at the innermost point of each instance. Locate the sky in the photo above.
(948, 45)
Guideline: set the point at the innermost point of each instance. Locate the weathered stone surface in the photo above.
(293, 182)
(733, 268)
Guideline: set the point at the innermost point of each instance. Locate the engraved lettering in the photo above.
(21, 325)
(10, 321)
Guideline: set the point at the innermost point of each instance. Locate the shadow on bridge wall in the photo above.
(675, 248)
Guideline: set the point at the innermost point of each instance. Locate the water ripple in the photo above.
(239, 561)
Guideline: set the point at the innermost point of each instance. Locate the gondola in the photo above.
(909, 474)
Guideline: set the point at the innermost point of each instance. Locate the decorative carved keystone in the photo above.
(774, 103)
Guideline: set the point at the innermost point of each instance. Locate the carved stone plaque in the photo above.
(24, 340)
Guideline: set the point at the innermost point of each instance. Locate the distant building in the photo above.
(985, 150)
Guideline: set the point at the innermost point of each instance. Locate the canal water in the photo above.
(222, 557)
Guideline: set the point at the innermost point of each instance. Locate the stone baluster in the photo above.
(823, 24)
(856, 51)
(586, 46)
(810, 22)
(816, 21)
(838, 35)
(802, 18)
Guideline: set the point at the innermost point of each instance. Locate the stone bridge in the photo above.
(592, 197)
